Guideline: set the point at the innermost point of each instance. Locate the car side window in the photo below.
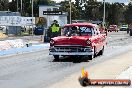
(98, 31)
(95, 31)
(86, 30)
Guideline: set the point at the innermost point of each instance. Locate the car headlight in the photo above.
(52, 42)
(88, 42)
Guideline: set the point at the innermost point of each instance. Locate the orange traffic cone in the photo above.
(84, 73)
(84, 80)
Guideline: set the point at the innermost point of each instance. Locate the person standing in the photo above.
(127, 29)
(130, 29)
(54, 29)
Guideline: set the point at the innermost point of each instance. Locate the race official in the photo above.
(55, 29)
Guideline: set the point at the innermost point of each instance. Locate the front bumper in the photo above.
(71, 51)
(123, 29)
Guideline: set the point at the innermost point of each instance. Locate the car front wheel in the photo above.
(92, 56)
(101, 51)
(130, 32)
(56, 57)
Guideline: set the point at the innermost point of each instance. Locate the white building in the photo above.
(51, 13)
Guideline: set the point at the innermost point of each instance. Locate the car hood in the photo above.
(72, 40)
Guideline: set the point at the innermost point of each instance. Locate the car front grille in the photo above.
(70, 49)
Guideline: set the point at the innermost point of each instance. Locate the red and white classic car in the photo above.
(78, 39)
(113, 28)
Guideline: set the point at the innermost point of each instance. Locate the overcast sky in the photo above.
(121, 1)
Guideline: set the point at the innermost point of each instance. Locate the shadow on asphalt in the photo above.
(72, 59)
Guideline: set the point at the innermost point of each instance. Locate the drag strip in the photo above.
(39, 70)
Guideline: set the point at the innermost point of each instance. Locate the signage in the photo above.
(52, 12)
(16, 21)
(27, 21)
(10, 20)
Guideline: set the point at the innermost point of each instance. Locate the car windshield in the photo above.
(111, 27)
(124, 25)
(77, 31)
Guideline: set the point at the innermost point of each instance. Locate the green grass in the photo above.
(25, 34)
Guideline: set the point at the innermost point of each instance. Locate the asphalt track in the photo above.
(39, 70)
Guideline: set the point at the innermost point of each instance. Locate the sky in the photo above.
(121, 1)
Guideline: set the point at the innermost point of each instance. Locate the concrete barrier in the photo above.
(18, 43)
(4, 45)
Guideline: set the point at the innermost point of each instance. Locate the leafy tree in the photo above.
(91, 10)
(66, 8)
(128, 14)
(27, 6)
(44, 2)
(4, 5)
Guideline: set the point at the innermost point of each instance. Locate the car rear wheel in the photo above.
(101, 51)
(130, 32)
(56, 57)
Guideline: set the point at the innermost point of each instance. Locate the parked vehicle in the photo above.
(124, 28)
(78, 39)
(39, 30)
(130, 28)
(113, 28)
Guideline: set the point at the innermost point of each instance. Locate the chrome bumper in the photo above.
(71, 51)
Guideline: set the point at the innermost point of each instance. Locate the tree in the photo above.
(44, 2)
(4, 5)
(128, 14)
(40, 2)
(65, 7)
(115, 15)
(27, 6)
(91, 10)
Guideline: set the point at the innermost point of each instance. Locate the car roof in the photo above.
(81, 24)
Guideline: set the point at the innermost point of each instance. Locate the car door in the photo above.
(96, 37)
(100, 42)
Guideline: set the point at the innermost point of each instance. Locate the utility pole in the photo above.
(70, 12)
(21, 7)
(32, 17)
(104, 14)
(17, 5)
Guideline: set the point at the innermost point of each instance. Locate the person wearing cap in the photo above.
(54, 29)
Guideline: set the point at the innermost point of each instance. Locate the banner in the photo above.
(10, 21)
(16, 21)
(27, 21)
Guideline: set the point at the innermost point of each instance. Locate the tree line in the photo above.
(116, 13)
